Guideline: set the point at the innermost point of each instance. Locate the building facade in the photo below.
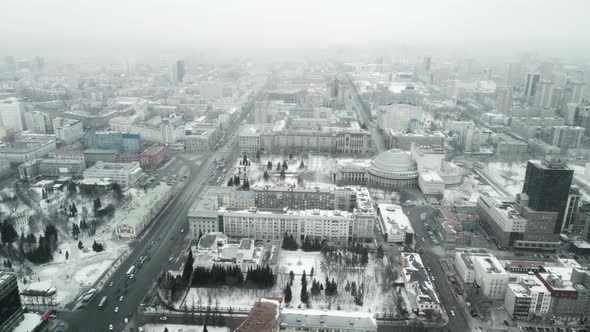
(12, 310)
(125, 174)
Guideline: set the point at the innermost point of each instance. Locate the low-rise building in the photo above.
(67, 130)
(395, 225)
(292, 320)
(152, 157)
(108, 140)
(431, 184)
(403, 141)
(527, 298)
(570, 292)
(421, 296)
(202, 140)
(464, 266)
(142, 211)
(125, 174)
(27, 149)
(263, 317)
(490, 276)
(39, 295)
(51, 167)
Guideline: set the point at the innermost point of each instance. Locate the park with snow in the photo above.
(335, 279)
(79, 247)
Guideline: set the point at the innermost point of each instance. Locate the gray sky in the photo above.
(43, 24)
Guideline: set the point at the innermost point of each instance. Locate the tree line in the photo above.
(258, 277)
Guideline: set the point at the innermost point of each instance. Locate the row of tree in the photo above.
(235, 182)
(289, 242)
(354, 255)
(259, 277)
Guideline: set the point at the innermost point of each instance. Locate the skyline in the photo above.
(100, 27)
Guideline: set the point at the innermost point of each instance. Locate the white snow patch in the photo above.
(183, 328)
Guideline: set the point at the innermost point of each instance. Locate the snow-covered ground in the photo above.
(315, 173)
(467, 192)
(183, 328)
(29, 323)
(83, 267)
(509, 175)
(377, 297)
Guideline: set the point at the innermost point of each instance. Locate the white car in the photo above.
(121, 298)
(111, 327)
(126, 320)
(452, 313)
(116, 309)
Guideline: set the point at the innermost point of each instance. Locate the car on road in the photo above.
(452, 313)
(121, 298)
(111, 327)
(182, 230)
(116, 309)
(140, 329)
(111, 284)
(126, 320)
(164, 318)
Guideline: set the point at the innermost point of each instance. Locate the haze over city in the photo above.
(294, 166)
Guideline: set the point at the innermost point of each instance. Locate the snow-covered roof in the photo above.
(328, 319)
(142, 206)
(262, 317)
(31, 320)
(39, 288)
(394, 219)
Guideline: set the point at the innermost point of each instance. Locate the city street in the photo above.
(159, 243)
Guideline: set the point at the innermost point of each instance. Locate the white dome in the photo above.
(394, 160)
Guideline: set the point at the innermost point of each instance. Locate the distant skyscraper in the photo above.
(11, 114)
(543, 94)
(427, 63)
(178, 71)
(566, 137)
(555, 97)
(514, 76)
(504, 99)
(531, 84)
(572, 93)
(547, 184)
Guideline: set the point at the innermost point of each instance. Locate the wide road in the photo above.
(431, 257)
(364, 115)
(162, 240)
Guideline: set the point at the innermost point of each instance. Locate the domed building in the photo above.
(393, 168)
(390, 169)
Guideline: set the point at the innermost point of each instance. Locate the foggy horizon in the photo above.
(498, 27)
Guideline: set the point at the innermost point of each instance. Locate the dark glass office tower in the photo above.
(11, 313)
(547, 183)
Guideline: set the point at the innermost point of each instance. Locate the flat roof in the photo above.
(328, 319)
(262, 317)
(139, 207)
(152, 150)
(490, 264)
(394, 219)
